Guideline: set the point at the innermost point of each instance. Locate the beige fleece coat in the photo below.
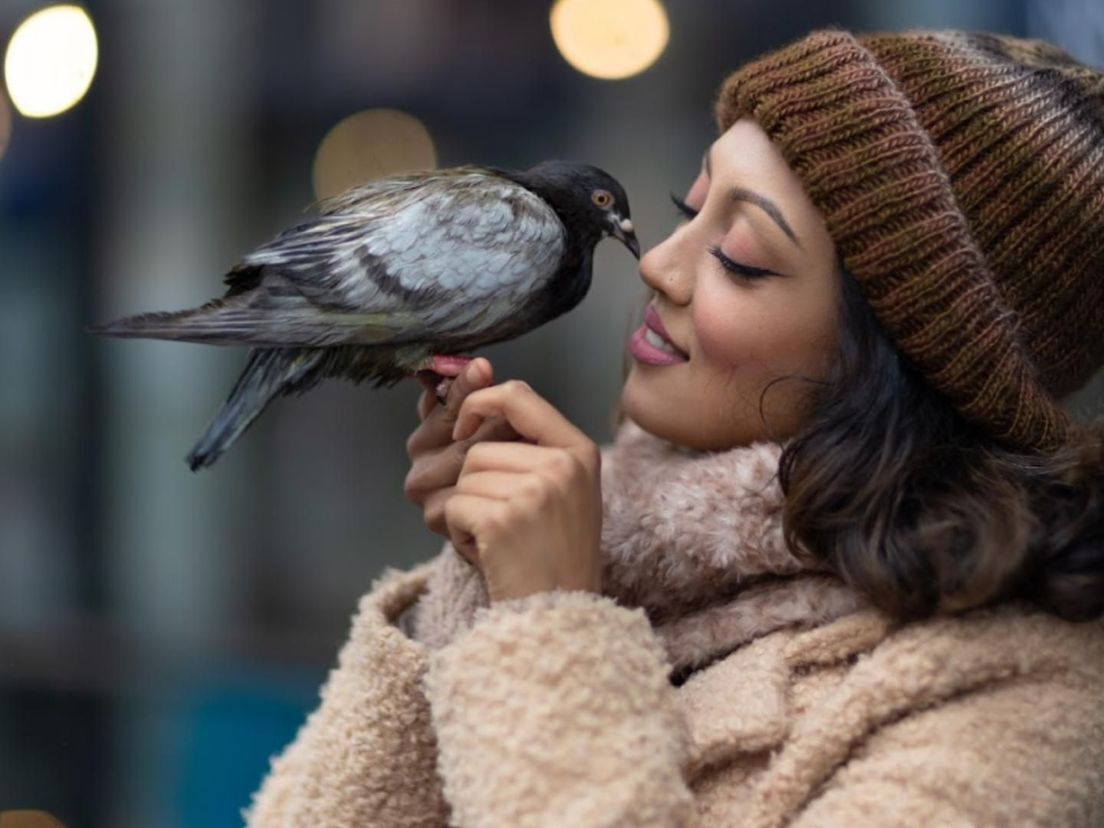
(803, 707)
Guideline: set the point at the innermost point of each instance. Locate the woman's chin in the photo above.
(628, 403)
(641, 406)
(670, 416)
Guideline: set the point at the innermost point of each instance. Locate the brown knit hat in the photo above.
(961, 175)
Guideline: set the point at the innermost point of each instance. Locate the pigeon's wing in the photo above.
(420, 257)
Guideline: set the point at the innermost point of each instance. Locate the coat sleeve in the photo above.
(1028, 751)
(555, 709)
(367, 754)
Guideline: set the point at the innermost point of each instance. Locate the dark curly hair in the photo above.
(922, 511)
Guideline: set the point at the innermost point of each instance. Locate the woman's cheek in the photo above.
(726, 338)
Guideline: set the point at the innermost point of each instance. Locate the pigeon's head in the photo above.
(590, 201)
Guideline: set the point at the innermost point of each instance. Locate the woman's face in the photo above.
(746, 289)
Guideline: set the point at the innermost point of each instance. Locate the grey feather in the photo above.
(464, 258)
(269, 372)
(394, 271)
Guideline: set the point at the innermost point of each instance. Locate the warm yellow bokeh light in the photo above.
(50, 61)
(371, 144)
(610, 39)
(29, 819)
(5, 125)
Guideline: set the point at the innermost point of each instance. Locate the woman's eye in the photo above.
(744, 271)
(684, 209)
(734, 267)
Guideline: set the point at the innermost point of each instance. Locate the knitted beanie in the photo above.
(961, 175)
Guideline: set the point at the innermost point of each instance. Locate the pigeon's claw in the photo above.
(446, 365)
(442, 389)
(444, 368)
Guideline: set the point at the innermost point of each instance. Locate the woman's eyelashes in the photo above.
(732, 266)
(684, 209)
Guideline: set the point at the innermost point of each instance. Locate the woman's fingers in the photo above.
(428, 399)
(507, 457)
(434, 510)
(463, 516)
(532, 416)
(433, 469)
(497, 485)
(528, 530)
(436, 427)
(475, 374)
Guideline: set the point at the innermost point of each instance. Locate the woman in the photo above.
(844, 562)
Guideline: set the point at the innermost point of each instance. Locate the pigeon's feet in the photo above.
(446, 367)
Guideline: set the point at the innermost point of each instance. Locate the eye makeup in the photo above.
(730, 265)
(735, 267)
(684, 209)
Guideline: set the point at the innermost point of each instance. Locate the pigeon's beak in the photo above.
(622, 230)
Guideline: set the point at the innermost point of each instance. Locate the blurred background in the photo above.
(163, 633)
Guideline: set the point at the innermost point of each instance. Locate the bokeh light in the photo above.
(5, 125)
(371, 144)
(610, 39)
(50, 61)
(29, 819)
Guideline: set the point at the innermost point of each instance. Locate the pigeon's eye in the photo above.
(602, 198)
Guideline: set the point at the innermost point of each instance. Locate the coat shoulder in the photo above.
(986, 717)
(992, 717)
(1003, 641)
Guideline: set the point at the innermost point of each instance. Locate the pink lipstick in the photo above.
(651, 344)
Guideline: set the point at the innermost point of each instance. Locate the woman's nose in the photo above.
(664, 270)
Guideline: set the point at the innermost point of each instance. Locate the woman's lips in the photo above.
(651, 344)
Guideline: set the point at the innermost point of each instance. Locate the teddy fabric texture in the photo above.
(961, 175)
(797, 704)
(693, 538)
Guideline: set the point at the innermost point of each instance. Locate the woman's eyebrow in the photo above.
(760, 201)
(768, 207)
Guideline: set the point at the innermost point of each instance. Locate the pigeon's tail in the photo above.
(224, 321)
(270, 372)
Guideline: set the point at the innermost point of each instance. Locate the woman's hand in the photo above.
(529, 515)
(435, 457)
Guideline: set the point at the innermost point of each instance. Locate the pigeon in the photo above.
(399, 276)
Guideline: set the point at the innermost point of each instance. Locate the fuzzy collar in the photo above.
(693, 538)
